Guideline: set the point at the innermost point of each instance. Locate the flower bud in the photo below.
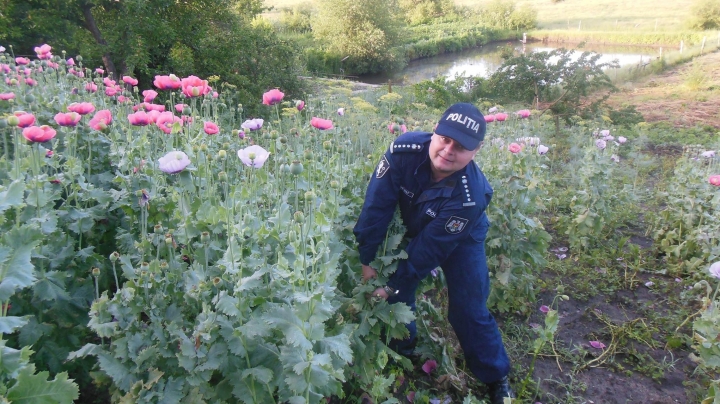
(95, 271)
(299, 216)
(292, 236)
(158, 228)
(164, 265)
(13, 120)
(309, 195)
(308, 154)
(222, 154)
(195, 148)
(296, 167)
(283, 139)
(187, 110)
(334, 184)
(139, 193)
(205, 237)
(327, 145)
(145, 266)
(78, 58)
(222, 175)
(203, 147)
(29, 98)
(273, 134)
(114, 256)
(565, 297)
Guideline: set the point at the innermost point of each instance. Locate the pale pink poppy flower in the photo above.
(514, 148)
(542, 149)
(322, 124)
(492, 110)
(715, 270)
(615, 158)
(39, 134)
(149, 95)
(708, 154)
(91, 87)
(22, 61)
(600, 144)
(67, 118)
(173, 162)
(108, 82)
(121, 99)
(211, 128)
(429, 366)
(82, 108)
(99, 71)
(252, 124)
(101, 120)
(253, 156)
(622, 139)
(43, 52)
(215, 94)
(111, 91)
(341, 111)
(171, 82)
(272, 97)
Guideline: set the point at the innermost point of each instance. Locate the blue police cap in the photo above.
(464, 123)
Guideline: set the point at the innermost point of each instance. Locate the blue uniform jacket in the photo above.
(438, 216)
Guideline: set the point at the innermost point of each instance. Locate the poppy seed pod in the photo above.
(222, 154)
(114, 256)
(299, 216)
(205, 237)
(296, 168)
(95, 271)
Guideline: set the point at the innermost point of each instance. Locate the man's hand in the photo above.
(368, 272)
(380, 292)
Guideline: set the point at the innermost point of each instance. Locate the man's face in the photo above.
(448, 156)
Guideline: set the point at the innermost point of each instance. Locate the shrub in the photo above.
(705, 15)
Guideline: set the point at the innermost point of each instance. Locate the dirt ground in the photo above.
(685, 95)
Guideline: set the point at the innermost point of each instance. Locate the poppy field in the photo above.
(159, 245)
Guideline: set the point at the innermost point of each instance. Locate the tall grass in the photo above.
(665, 38)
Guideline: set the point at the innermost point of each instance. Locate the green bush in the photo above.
(705, 15)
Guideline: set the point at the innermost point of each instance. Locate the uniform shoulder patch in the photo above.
(455, 224)
(382, 168)
(403, 147)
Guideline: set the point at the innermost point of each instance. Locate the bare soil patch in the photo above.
(675, 95)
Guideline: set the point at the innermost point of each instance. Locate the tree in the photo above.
(424, 11)
(559, 81)
(705, 15)
(364, 31)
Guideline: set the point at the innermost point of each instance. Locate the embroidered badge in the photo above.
(382, 167)
(455, 224)
(407, 192)
(430, 213)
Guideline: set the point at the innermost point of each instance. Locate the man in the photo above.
(442, 196)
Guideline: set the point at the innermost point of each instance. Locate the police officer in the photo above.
(442, 196)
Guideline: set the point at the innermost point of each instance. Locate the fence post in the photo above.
(702, 46)
(681, 46)
(389, 86)
(661, 52)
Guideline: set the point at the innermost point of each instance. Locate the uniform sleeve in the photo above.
(436, 241)
(381, 199)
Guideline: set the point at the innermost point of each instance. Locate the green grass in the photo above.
(598, 15)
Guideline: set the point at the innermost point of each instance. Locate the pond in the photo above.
(483, 61)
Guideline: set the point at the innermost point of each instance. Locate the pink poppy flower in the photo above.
(605, 133)
(70, 62)
(252, 124)
(22, 61)
(542, 149)
(272, 97)
(253, 156)
(193, 86)
(500, 117)
(322, 124)
(53, 65)
(39, 134)
(211, 128)
(7, 96)
(180, 107)
(108, 82)
(99, 71)
(129, 80)
(111, 91)
(101, 120)
(215, 94)
(714, 180)
(173, 162)
(82, 108)
(597, 345)
(429, 366)
(24, 119)
(544, 309)
(28, 72)
(153, 107)
(30, 82)
(5, 68)
(139, 118)
(410, 396)
(514, 148)
(171, 82)
(166, 121)
(489, 118)
(300, 105)
(600, 144)
(715, 270)
(149, 95)
(153, 115)
(43, 52)
(523, 113)
(90, 87)
(121, 99)
(67, 118)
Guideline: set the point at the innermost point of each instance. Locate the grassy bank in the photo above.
(660, 38)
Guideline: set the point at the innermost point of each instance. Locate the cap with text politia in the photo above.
(463, 123)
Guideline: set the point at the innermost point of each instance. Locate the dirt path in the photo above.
(685, 95)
